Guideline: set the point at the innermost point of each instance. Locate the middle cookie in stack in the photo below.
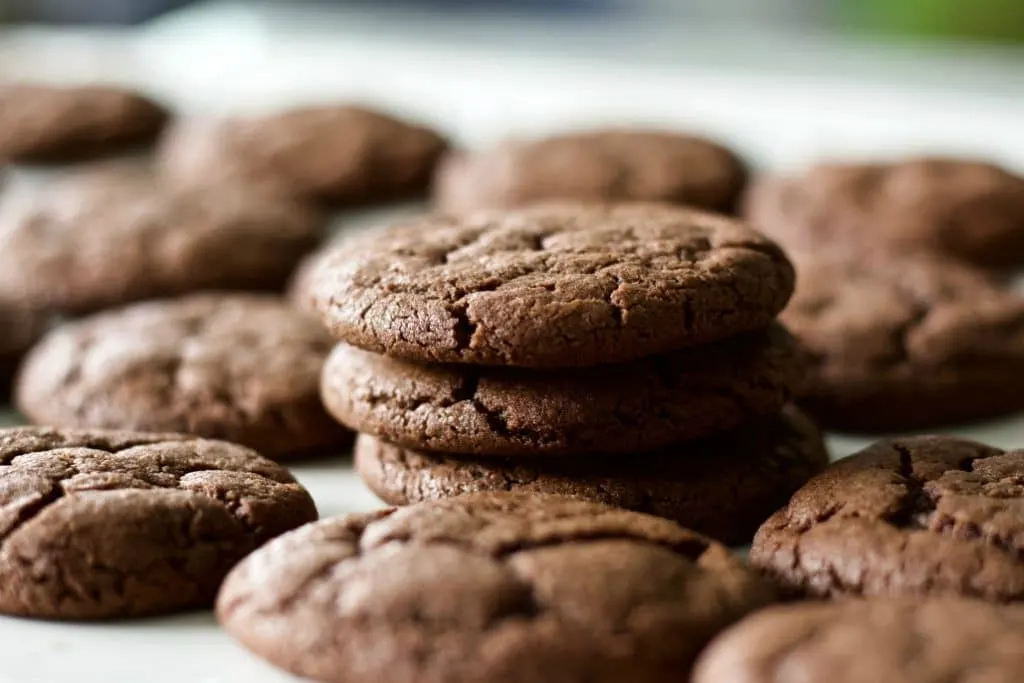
(590, 344)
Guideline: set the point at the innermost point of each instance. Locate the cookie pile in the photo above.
(623, 353)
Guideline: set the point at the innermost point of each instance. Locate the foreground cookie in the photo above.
(909, 343)
(46, 123)
(897, 641)
(723, 486)
(488, 587)
(914, 516)
(244, 368)
(618, 409)
(552, 286)
(100, 524)
(21, 327)
(95, 240)
(966, 210)
(610, 165)
(335, 154)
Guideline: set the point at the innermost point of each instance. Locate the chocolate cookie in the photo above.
(723, 486)
(914, 516)
(336, 154)
(909, 343)
(98, 524)
(617, 409)
(606, 165)
(552, 286)
(870, 641)
(21, 328)
(967, 210)
(40, 123)
(488, 587)
(95, 240)
(237, 367)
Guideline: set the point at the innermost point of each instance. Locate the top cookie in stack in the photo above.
(562, 332)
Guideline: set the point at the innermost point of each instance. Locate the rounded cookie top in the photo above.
(723, 486)
(968, 210)
(488, 587)
(611, 165)
(41, 123)
(245, 368)
(101, 238)
(912, 516)
(97, 524)
(621, 409)
(552, 285)
(335, 154)
(908, 343)
(854, 641)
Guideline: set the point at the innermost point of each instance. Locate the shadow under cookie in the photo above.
(723, 486)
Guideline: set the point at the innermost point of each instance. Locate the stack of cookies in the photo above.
(621, 353)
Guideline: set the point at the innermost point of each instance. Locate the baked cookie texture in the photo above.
(602, 165)
(906, 343)
(963, 209)
(245, 368)
(342, 155)
(723, 486)
(109, 236)
(494, 587)
(97, 525)
(917, 516)
(855, 641)
(43, 123)
(628, 408)
(552, 285)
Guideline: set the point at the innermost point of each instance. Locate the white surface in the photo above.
(786, 112)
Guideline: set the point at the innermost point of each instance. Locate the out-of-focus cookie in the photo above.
(21, 328)
(606, 165)
(503, 588)
(334, 154)
(244, 368)
(42, 123)
(97, 525)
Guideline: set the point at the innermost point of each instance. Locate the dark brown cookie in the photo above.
(914, 516)
(966, 210)
(607, 165)
(618, 409)
(100, 239)
(41, 123)
(98, 525)
(337, 154)
(871, 641)
(503, 588)
(552, 286)
(909, 343)
(723, 486)
(244, 368)
(21, 327)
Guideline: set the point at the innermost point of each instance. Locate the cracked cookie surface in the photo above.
(102, 524)
(853, 641)
(46, 123)
(245, 368)
(552, 286)
(609, 165)
(965, 210)
(625, 408)
(112, 235)
(914, 516)
(723, 486)
(906, 344)
(335, 154)
(488, 587)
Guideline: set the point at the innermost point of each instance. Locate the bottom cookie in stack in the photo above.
(723, 486)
